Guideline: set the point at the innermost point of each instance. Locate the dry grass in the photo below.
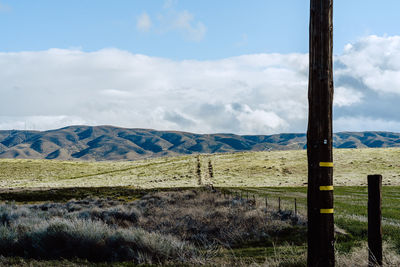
(168, 227)
(200, 219)
(163, 227)
(358, 257)
(252, 169)
(205, 218)
(290, 256)
(21, 262)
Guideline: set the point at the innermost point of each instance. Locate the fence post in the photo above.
(266, 203)
(374, 220)
(279, 203)
(295, 207)
(198, 171)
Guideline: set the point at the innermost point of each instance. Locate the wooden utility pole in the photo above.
(374, 220)
(319, 137)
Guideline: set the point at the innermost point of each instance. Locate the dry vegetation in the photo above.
(191, 227)
(253, 169)
(118, 213)
(164, 227)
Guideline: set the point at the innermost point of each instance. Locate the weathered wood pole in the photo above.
(210, 170)
(279, 203)
(319, 137)
(374, 220)
(198, 171)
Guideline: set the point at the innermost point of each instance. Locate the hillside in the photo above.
(243, 169)
(113, 143)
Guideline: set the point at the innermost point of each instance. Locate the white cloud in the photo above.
(173, 20)
(368, 85)
(184, 21)
(345, 96)
(255, 121)
(249, 94)
(116, 93)
(143, 22)
(375, 61)
(362, 123)
(116, 87)
(39, 122)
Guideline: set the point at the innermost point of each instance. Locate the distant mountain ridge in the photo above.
(114, 143)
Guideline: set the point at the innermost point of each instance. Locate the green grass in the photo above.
(350, 210)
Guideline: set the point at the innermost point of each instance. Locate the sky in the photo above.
(232, 66)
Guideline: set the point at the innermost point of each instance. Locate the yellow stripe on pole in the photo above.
(326, 164)
(326, 188)
(326, 211)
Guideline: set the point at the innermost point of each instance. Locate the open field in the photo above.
(254, 169)
(214, 215)
(112, 194)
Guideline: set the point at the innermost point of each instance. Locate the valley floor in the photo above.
(220, 208)
(225, 225)
(254, 169)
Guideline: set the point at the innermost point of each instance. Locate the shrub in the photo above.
(160, 227)
(92, 240)
(209, 219)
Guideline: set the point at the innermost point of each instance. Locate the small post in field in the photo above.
(374, 220)
(279, 203)
(266, 203)
(198, 171)
(210, 170)
(295, 207)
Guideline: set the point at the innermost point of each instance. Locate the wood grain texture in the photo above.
(319, 136)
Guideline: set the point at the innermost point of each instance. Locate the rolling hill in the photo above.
(114, 143)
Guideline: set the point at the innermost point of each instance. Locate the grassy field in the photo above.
(350, 210)
(250, 169)
(350, 217)
(277, 174)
